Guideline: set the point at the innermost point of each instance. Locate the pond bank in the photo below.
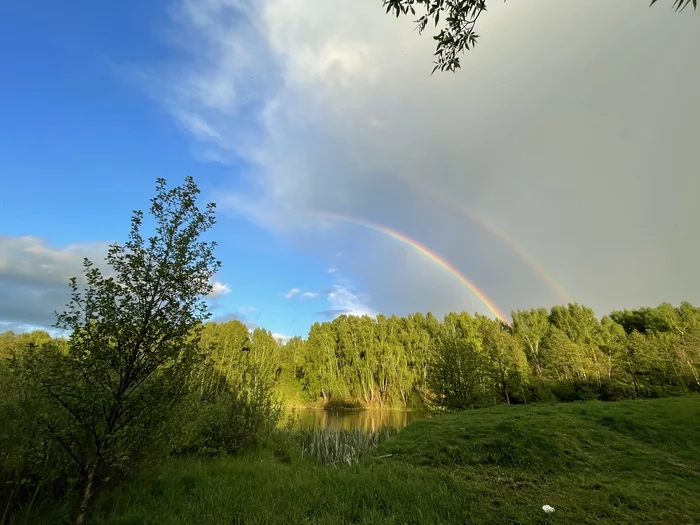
(350, 418)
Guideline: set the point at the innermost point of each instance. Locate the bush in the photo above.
(228, 418)
(33, 465)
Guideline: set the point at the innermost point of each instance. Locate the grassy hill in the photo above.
(632, 462)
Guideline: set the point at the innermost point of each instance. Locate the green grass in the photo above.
(632, 462)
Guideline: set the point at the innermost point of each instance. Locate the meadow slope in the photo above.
(630, 462)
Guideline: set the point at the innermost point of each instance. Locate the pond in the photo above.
(367, 420)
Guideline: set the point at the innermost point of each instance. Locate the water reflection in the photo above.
(367, 420)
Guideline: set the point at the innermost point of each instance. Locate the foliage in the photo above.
(457, 34)
(464, 361)
(133, 336)
(32, 464)
(627, 463)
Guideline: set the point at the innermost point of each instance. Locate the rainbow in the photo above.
(488, 303)
(520, 252)
(502, 236)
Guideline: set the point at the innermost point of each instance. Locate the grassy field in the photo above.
(632, 462)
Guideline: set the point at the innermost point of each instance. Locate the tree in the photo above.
(531, 327)
(264, 357)
(613, 340)
(504, 357)
(133, 340)
(459, 17)
(456, 376)
(321, 375)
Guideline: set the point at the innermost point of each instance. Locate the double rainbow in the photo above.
(501, 235)
(488, 303)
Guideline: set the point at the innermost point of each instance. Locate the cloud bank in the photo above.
(34, 278)
(569, 129)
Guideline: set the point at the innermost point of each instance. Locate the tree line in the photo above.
(564, 353)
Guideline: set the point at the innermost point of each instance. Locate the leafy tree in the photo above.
(612, 344)
(564, 359)
(530, 327)
(226, 347)
(264, 357)
(640, 320)
(321, 375)
(133, 340)
(459, 22)
(643, 362)
(505, 360)
(456, 376)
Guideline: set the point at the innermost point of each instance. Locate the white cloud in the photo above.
(564, 141)
(342, 301)
(292, 293)
(309, 295)
(281, 338)
(333, 270)
(219, 289)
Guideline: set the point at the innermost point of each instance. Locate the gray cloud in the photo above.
(242, 314)
(570, 128)
(235, 316)
(34, 278)
(331, 314)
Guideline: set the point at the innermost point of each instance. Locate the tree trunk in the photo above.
(694, 372)
(636, 385)
(88, 492)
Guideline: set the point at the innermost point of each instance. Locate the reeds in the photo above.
(337, 446)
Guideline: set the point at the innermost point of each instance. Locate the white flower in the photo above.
(547, 509)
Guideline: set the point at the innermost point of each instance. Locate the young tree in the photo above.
(459, 17)
(133, 340)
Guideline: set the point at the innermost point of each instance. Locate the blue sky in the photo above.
(81, 146)
(281, 112)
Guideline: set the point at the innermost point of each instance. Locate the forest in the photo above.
(143, 376)
(462, 361)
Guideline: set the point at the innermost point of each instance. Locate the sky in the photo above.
(560, 164)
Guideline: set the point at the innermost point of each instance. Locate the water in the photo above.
(367, 420)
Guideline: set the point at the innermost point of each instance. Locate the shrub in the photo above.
(226, 418)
